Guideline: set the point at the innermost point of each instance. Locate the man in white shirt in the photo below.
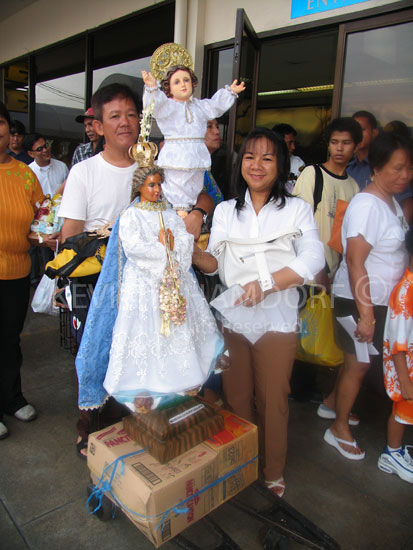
(296, 163)
(51, 173)
(99, 188)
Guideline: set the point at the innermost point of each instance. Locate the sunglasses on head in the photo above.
(40, 149)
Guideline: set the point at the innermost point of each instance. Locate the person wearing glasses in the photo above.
(51, 173)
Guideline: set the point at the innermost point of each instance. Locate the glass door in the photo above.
(245, 67)
(374, 69)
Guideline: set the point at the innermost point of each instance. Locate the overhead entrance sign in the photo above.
(308, 7)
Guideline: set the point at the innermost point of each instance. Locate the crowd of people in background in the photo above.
(368, 168)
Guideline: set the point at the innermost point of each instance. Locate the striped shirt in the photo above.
(19, 193)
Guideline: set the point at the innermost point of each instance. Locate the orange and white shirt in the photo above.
(19, 193)
(398, 337)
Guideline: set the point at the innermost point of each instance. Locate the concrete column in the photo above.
(181, 19)
(195, 37)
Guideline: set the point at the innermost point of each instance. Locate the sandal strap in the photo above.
(344, 442)
(277, 483)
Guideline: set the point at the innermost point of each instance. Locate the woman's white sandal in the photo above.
(330, 414)
(277, 487)
(334, 441)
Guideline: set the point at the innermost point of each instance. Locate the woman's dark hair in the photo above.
(345, 124)
(408, 239)
(166, 82)
(397, 127)
(278, 190)
(383, 146)
(5, 113)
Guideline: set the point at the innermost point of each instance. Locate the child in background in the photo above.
(398, 372)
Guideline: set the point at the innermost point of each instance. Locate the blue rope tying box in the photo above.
(103, 487)
(163, 499)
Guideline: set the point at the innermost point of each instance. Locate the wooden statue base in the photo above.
(170, 432)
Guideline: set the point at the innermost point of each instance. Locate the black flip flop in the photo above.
(80, 446)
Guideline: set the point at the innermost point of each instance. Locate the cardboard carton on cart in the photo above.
(164, 499)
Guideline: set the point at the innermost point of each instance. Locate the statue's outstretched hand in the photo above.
(149, 79)
(237, 88)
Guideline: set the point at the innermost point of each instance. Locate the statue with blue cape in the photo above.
(149, 334)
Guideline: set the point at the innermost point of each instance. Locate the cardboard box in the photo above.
(147, 490)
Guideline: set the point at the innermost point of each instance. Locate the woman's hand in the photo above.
(166, 236)
(149, 79)
(46, 241)
(365, 330)
(252, 296)
(237, 88)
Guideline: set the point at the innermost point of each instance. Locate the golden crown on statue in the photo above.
(144, 152)
(166, 56)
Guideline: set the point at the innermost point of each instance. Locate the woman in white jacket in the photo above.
(262, 339)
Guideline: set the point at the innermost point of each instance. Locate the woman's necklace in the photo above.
(158, 206)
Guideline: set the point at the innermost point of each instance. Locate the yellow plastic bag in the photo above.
(316, 341)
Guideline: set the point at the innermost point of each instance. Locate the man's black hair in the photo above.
(369, 116)
(17, 127)
(30, 140)
(345, 124)
(284, 129)
(108, 93)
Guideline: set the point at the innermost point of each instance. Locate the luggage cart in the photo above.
(280, 523)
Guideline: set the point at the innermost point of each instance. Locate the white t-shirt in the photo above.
(96, 192)
(278, 311)
(295, 164)
(370, 217)
(50, 176)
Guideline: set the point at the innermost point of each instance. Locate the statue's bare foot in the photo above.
(193, 392)
(143, 404)
(223, 363)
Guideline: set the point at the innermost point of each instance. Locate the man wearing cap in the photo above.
(86, 150)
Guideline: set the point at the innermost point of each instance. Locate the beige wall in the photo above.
(45, 22)
(265, 15)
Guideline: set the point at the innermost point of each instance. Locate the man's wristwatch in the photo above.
(204, 214)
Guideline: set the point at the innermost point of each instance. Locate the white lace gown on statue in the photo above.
(184, 155)
(140, 357)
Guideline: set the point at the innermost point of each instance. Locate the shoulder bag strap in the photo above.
(318, 186)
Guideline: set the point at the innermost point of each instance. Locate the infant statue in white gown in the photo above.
(182, 120)
(144, 362)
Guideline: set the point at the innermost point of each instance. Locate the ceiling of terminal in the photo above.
(10, 7)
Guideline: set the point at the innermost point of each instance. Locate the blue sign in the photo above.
(308, 7)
